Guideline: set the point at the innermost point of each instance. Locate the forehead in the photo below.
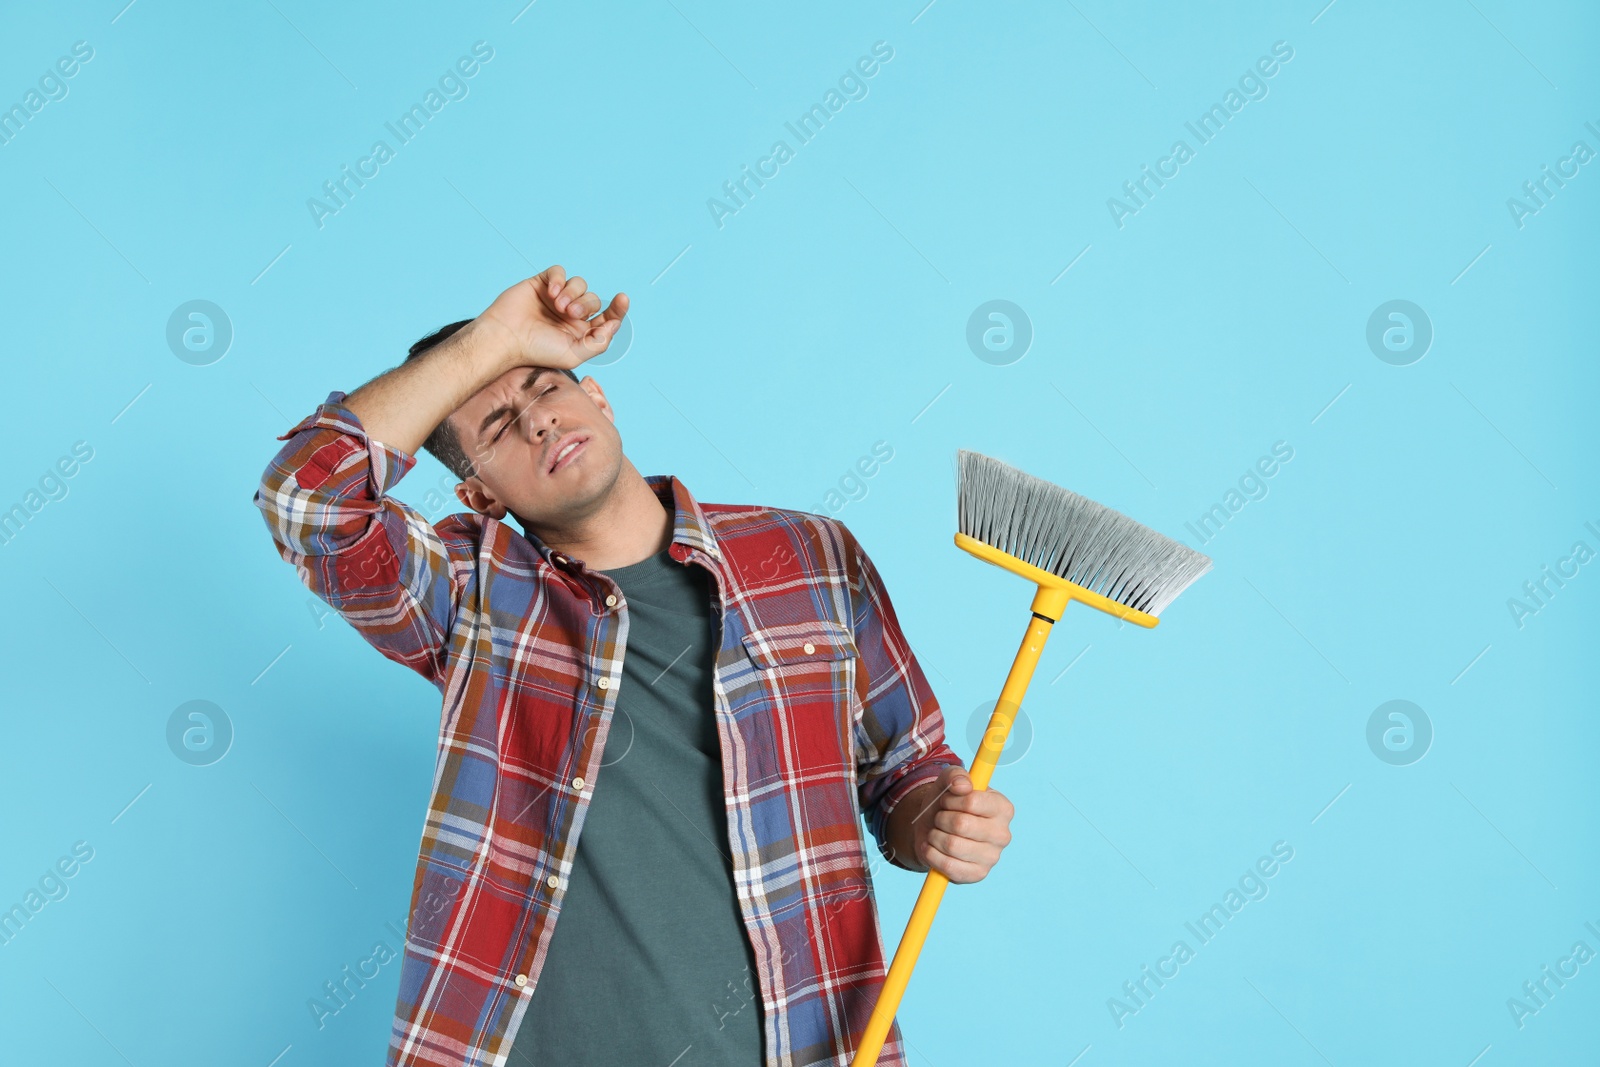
(503, 390)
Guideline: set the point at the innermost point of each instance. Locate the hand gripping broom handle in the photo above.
(1048, 604)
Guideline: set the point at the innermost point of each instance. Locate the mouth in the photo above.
(564, 451)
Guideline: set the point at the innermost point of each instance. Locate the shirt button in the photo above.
(577, 783)
(522, 980)
(611, 601)
(604, 683)
(552, 881)
(810, 648)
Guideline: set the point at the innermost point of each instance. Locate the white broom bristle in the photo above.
(1072, 536)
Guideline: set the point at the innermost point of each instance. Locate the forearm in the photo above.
(375, 560)
(403, 406)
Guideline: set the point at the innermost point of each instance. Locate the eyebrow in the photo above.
(505, 409)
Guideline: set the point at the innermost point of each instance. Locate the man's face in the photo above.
(517, 431)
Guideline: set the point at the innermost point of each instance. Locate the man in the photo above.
(662, 720)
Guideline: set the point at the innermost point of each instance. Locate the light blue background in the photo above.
(828, 314)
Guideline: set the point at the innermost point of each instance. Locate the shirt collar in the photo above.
(690, 527)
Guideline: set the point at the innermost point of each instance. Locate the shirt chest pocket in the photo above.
(805, 674)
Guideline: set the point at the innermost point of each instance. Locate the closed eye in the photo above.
(506, 422)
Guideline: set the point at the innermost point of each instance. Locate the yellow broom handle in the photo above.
(994, 739)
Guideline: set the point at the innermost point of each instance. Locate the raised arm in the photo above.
(393, 576)
(543, 321)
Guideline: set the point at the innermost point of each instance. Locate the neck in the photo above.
(628, 527)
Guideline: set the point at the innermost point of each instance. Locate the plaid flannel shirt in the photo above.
(823, 714)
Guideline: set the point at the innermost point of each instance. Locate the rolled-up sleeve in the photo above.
(376, 561)
(900, 739)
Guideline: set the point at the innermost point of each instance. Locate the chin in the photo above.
(575, 490)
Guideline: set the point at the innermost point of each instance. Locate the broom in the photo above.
(1072, 548)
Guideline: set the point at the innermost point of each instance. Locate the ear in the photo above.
(598, 397)
(475, 495)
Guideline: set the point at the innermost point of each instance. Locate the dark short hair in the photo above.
(443, 444)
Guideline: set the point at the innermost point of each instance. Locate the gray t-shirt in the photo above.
(649, 963)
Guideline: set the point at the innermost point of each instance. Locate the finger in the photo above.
(955, 846)
(971, 827)
(959, 872)
(595, 340)
(982, 802)
(944, 783)
(599, 335)
(604, 330)
(964, 849)
(553, 279)
(986, 802)
(961, 801)
(585, 306)
(617, 308)
(574, 288)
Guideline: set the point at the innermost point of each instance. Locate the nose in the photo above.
(539, 426)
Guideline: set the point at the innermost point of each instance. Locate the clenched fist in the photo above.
(958, 830)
